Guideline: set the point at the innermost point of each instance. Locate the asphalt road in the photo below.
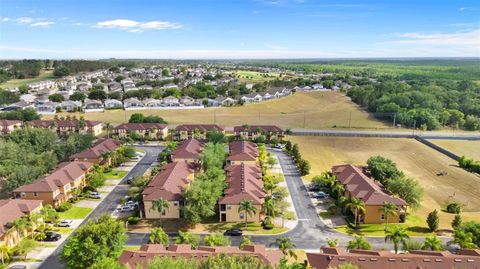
(110, 203)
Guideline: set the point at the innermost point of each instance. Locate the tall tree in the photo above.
(388, 209)
(432, 243)
(160, 206)
(356, 206)
(286, 245)
(359, 242)
(397, 235)
(248, 208)
(158, 236)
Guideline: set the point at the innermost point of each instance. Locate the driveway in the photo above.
(110, 202)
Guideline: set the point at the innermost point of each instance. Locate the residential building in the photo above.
(64, 127)
(93, 105)
(132, 102)
(242, 152)
(153, 103)
(12, 210)
(381, 259)
(254, 131)
(134, 259)
(252, 97)
(169, 185)
(113, 103)
(244, 182)
(58, 186)
(187, 151)
(8, 126)
(95, 154)
(71, 106)
(359, 185)
(197, 131)
(145, 130)
(171, 101)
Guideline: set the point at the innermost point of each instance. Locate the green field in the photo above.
(114, 174)
(75, 213)
(13, 83)
(255, 77)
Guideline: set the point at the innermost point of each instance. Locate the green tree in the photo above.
(216, 240)
(433, 220)
(463, 239)
(187, 238)
(160, 206)
(432, 243)
(248, 208)
(386, 210)
(406, 188)
(359, 242)
(158, 236)
(246, 241)
(356, 206)
(286, 245)
(107, 262)
(457, 221)
(332, 242)
(103, 238)
(78, 96)
(397, 235)
(56, 97)
(5, 253)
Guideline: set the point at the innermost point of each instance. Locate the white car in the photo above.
(95, 195)
(126, 208)
(65, 223)
(132, 203)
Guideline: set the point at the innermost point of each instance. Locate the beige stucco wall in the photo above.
(373, 215)
(234, 216)
(172, 212)
(252, 163)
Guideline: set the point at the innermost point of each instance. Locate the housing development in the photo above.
(287, 134)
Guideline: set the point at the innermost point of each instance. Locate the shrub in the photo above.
(433, 220)
(454, 208)
(267, 223)
(64, 207)
(133, 220)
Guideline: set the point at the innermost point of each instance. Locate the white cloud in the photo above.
(466, 38)
(275, 47)
(4, 19)
(136, 26)
(42, 24)
(25, 20)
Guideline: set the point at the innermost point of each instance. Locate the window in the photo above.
(229, 207)
(22, 194)
(163, 212)
(242, 215)
(382, 217)
(175, 203)
(222, 207)
(35, 194)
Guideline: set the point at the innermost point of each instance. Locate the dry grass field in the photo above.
(13, 83)
(468, 148)
(412, 157)
(309, 110)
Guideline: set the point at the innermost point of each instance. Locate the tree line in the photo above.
(469, 164)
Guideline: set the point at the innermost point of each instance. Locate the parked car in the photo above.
(136, 158)
(65, 223)
(321, 195)
(129, 180)
(132, 203)
(314, 187)
(233, 232)
(139, 154)
(18, 266)
(51, 236)
(95, 195)
(279, 146)
(126, 208)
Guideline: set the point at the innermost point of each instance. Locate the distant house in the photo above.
(169, 185)
(28, 98)
(58, 186)
(71, 106)
(198, 131)
(114, 86)
(222, 101)
(331, 257)
(171, 101)
(95, 154)
(8, 126)
(138, 259)
(93, 105)
(252, 97)
(14, 209)
(254, 131)
(169, 86)
(187, 151)
(187, 101)
(21, 105)
(83, 86)
(145, 130)
(359, 185)
(132, 102)
(272, 94)
(113, 103)
(153, 103)
(47, 108)
(244, 183)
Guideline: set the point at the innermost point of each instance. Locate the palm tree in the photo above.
(359, 243)
(388, 209)
(248, 208)
(5, 252)
(108, 128)
(268, 206)
(160, 205)
(158, 236)
(19, 225)
(328, 179)
(187, 238)
(338, 189)
(463, 239)
(432, 243)
(356, 206)
(332, 242)
(397, 235)
(286, 245)
(49, 213)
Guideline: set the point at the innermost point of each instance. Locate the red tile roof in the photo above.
(14, 209)
(244, 183)
(188, 149)
(5, 123)
(100, 147)
(169, 183)
(371, 259)
(64, 174)
(140, 126)
(261, 128)
(201, 127)
(62, 123)
(134, 258)
(363, 187)
(243, 151)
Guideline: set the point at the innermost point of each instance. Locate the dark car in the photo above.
(314, 187)
(129, 180)
(51, 236)
(233, 232)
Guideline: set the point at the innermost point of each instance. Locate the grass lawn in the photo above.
(318, 110)
(75, 213)
(412, 157)
(252, 227)
(468, 148)
(62, 230)
(255, 77)
(115, 174)
(13, 83)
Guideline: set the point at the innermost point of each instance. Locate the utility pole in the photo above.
(350, 120)
(304, 119)
(414, 123)
(394, 119)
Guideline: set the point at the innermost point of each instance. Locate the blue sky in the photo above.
(202, 29)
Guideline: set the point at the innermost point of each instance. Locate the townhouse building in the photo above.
(95, 154)
(254, 131)
(188, 151)
(13, 209)
(8, 126)
(153, 131)
(197, 131)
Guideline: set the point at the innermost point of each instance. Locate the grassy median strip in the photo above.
(75, 213)
(115, 174)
